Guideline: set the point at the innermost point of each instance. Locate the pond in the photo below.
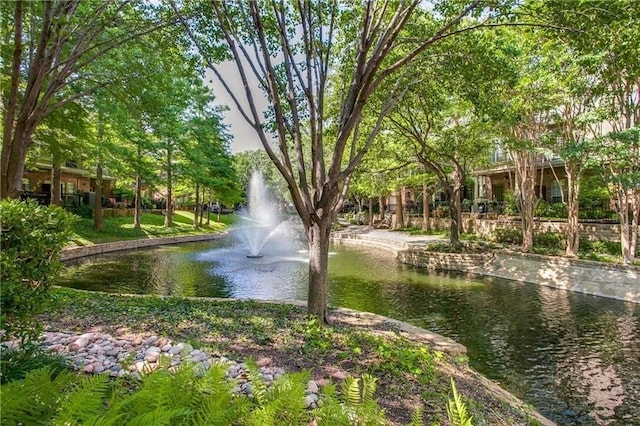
(574, 357)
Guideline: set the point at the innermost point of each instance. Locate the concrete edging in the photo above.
(604, 280)
(83, 251)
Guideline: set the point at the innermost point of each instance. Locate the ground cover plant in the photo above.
(411, 378)
(152, 225)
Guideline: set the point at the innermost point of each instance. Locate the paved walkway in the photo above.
(394, 241)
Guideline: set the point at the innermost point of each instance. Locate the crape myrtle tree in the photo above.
(46, 50)
(524, 116)
(441, 118)
(290, 48)
(597, 74)
(607, 34)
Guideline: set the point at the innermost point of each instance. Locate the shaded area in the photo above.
(572, 356)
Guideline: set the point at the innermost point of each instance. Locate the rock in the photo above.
(312, 387)
(113, 352)
(152, 357)
(153, 349)
(176, 349)
(310, 400)
(166, 348)
(150, 341)
(78, 344)
(56, 348)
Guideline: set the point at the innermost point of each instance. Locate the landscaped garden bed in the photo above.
(411, 377)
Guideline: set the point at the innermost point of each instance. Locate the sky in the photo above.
(244, 137)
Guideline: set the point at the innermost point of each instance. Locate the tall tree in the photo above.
(291, 48)
(49, 45)
(602, 41)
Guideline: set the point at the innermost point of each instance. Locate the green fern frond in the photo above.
(417, 418)
(42, 388)
(213, 403)
(258, 386)
(85, 401)
(359, 390)
(457, 409)
(369, 384)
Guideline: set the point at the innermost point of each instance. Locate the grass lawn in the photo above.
(152, 226)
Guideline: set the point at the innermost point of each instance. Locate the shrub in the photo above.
(511, 205)
(548, 241)
(612, 248)
(550, 210)
(16, 364)
(32, 237)
(84, 211)
(508, 236)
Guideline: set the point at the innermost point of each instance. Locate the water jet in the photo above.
(260, 220)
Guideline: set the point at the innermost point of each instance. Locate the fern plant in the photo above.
(281, 403)
(457, 409)
(358, 407)
(183, 396)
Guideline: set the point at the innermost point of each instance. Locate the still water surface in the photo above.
(574, 357)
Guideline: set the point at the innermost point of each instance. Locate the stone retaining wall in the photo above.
(83, 251)
(596, 278)
(613, 281)
(485, 228)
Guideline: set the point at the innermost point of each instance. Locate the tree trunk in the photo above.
(573, 224)
(195, 207)
(625, 227)
(456, 204)
(526, 165)
(201, 221)
(209, 208)
(97, 201)
(137, 210)
(219, 208)
(14, 141)
(56, 192)
(635, 224)
(426, 220)
(383, 205)
(168, 216)
(399, 210)
(370, 211)
(454, 238)
(318, 239)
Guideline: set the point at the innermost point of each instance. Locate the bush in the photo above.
(548, 243)
(32, 237)
(612, 248)
(550, 210)
(84, 211)
(508, 236)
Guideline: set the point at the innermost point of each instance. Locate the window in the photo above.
(556, 193)
(71, 188)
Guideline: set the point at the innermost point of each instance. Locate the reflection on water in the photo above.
(575, 357)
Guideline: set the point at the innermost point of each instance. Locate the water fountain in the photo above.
(260, 220)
